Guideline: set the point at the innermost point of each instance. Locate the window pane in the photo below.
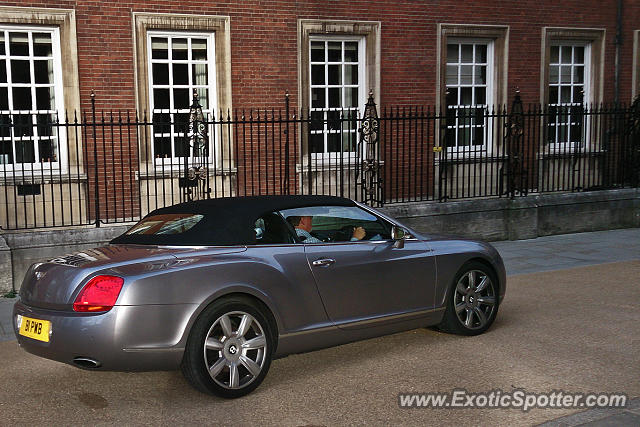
(554, 55)
(481, 53)
(21, 98)
(351, 74)
(317, 120)
(2, 50)
(578, 52)
(42, 44)
(554, 74)
(452, 74)
(160, 99)
(181, 123)
(466, 53)
(335, 74)
(162, 147)
(317, 51)
(199, 74)
(351, 97)
(565, 54)
(47, 150)
(317, 74)
(316, 143)
(19, 44)
(161, 123)
(180, 74)
(159, 48)
(23, 125)
(160, 74)
(465, 96)
(333, 142)
(45, 98)
(452, 96)
(25, 152)
(20, 72)
(348, 141)
(565, 94)
(335, 51)
(452, 53)
(578, 74)
(350, 51)
(43, 71)
(565, 74)
(333, 120)
(553, 95)
(199, 49)
(4, 98)
(3, 71)
(181, 147)
(6, 151)
(203, 97)
(466, 72)
(335, 98)
(480, 75)
(179, 49)
(464, 136)
(181, 98)
(578, 94)
(481, 95)
(317, 98)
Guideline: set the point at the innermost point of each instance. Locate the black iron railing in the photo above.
(100, 167)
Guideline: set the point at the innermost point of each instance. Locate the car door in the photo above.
(361, 280)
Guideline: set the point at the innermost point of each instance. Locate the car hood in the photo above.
(55, 283)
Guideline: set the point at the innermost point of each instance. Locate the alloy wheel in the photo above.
(474, 299)
(234, 350)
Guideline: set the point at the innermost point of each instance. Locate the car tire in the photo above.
(472, 300)
(229, 349)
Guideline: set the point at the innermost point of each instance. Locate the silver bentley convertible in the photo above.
(220, 287)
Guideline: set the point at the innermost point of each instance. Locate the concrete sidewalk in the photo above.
(569, 250)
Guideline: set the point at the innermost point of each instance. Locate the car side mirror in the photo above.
(399, 235)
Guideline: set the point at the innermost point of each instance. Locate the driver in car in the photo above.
(303, 226)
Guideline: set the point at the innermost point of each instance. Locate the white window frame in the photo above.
(335, 157)
(212, 104)
(487, 148)
(37, 168)
(562, 146)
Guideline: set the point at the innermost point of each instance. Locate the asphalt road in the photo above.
(573, 329)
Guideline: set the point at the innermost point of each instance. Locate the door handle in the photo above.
(324, 262)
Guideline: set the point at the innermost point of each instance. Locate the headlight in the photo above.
(18, 321)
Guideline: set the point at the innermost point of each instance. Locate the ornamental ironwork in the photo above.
(368, 174)
(195, 179)
(513, 169)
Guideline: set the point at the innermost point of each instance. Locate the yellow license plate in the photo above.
(36, 329)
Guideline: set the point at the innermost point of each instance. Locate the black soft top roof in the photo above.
(228, 220)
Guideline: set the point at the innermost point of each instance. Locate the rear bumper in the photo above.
(127, 338)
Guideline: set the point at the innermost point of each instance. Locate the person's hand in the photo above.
(359, 233)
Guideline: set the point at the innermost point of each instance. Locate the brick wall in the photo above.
(264, 43)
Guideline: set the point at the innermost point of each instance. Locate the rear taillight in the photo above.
(99, 294)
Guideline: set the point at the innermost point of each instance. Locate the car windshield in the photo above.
(165, 224)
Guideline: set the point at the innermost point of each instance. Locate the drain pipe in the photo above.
(618, 43)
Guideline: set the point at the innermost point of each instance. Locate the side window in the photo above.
(271, 229)
(328, 224)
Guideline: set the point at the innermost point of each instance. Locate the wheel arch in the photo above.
(450, 282)
(242, 292)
